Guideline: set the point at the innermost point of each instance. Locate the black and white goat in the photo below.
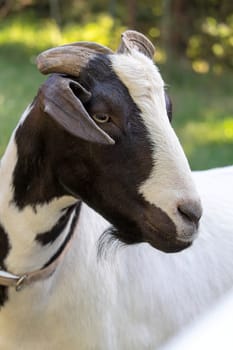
(95, 153)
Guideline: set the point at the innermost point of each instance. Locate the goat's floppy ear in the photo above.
(168, 106)
(132, 39)
(61, 100)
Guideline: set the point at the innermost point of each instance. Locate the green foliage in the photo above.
(38, 34)
(203, 115)
(212, 47)
(18, 85)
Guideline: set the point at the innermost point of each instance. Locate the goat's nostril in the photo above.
(191, 211)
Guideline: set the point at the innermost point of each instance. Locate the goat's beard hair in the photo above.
(109, 242)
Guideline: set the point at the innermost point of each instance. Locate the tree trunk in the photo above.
(132, 13)
(5, 7)
(55, 11)
(179, 25)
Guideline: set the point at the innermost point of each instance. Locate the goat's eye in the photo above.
(101, 118)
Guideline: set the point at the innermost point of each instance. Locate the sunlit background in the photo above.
(194, 51)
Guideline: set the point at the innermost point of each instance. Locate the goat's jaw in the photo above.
(163, 233)
(169, 246)
(173, 217)
(165, 241)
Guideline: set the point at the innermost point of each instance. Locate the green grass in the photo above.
(203, 108)
(18, 85)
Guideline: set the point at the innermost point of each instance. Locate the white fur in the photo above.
(137, 298)
(24, 225)
(134, 300)
(170, 182)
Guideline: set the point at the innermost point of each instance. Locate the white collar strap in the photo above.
(8, 279)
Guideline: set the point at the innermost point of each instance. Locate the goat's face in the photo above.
(141, 182)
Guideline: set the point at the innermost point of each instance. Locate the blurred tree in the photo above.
(112, 8)
(200, 30)
(180, 22)
(6, 7)
(55, 11)
(132, 13)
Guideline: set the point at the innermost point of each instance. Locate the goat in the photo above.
(94, 157)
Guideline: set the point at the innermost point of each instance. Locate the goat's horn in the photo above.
(135, 40)
(93, 46)
(69, 59)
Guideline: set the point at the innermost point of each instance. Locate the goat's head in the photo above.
(117, 150)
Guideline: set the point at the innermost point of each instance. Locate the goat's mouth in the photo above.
(164, 241)
(163, 232)
(167, 243)
(169, 246)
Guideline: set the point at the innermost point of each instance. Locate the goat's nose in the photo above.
(190, 211)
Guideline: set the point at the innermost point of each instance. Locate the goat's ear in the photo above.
(62, 100)
(168, 106)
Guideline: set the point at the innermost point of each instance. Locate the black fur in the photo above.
(50, 236)
(33, 179)
(168, 106)
(52, 162)
(73, 224)
(4, 250)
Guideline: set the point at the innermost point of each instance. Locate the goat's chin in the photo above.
(169, 246)
(165, 242)
(116, 238)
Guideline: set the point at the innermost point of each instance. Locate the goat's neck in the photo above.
(31, 231)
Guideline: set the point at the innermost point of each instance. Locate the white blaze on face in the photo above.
(170, 180)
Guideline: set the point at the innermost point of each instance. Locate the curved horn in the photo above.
(69, 59)
(64, 59)
(132, 39)
(93, 46)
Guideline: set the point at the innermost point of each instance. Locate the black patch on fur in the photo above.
(106, 177)
(168, 106)
(3, 295)
(72, 227)
(50, 236)
(4, 250)
(108, 243)
(33, 180)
